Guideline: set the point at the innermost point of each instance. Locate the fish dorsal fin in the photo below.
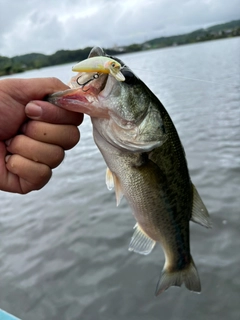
(200, 214)
(96, 52)
(113, 182)
(140, 242)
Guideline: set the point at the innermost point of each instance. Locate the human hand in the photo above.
(30, 149)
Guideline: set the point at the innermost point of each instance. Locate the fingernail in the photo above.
(7, 142)
(33, 111)
(7, 158)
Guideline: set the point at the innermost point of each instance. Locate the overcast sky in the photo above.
(46, 26)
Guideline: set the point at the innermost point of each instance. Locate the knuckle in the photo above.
(11, 163)
(25, 187)
(41, 179)
(73, 137)
(57, 84)
(31, 128)
(57, 157)
(44, 174)
(16, 144)
(55, 81)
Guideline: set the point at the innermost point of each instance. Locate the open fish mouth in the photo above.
(89, 83)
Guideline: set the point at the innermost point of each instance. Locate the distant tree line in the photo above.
(37, 60)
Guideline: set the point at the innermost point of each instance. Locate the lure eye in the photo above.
(115, 65)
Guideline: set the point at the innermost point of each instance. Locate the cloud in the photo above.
(48, 25)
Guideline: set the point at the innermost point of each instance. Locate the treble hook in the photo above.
(95, 76)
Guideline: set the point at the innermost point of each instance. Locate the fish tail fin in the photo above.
(189, 276)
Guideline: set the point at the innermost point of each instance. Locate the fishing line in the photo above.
(195, 79)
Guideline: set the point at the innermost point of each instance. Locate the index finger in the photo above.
(26, 90)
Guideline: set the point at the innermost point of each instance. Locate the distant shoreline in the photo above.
(32, 61)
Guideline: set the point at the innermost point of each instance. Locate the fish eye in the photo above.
(130, 77)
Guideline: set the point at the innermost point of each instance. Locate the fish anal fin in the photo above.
(188, 276)
(200, 214)
(113, 182)
(141, 242)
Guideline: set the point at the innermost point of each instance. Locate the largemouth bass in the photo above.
(145, 159)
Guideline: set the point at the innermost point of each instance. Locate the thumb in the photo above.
(47, 112)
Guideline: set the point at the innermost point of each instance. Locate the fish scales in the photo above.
(158, 178)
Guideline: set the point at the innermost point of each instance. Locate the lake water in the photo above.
(63, 250)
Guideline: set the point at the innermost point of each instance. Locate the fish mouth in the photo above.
(93, 80)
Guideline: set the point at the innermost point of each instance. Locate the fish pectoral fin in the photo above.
(189, 276)
(200, 214)
(141, 242)
(113, 182)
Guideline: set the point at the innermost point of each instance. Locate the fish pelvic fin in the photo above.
(113, 182)
(200, 214)
(109, 179)
(189, 276)
(141, 242)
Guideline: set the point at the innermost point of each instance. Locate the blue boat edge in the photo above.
(4, 315)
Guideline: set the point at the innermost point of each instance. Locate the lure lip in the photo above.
(100, 64)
